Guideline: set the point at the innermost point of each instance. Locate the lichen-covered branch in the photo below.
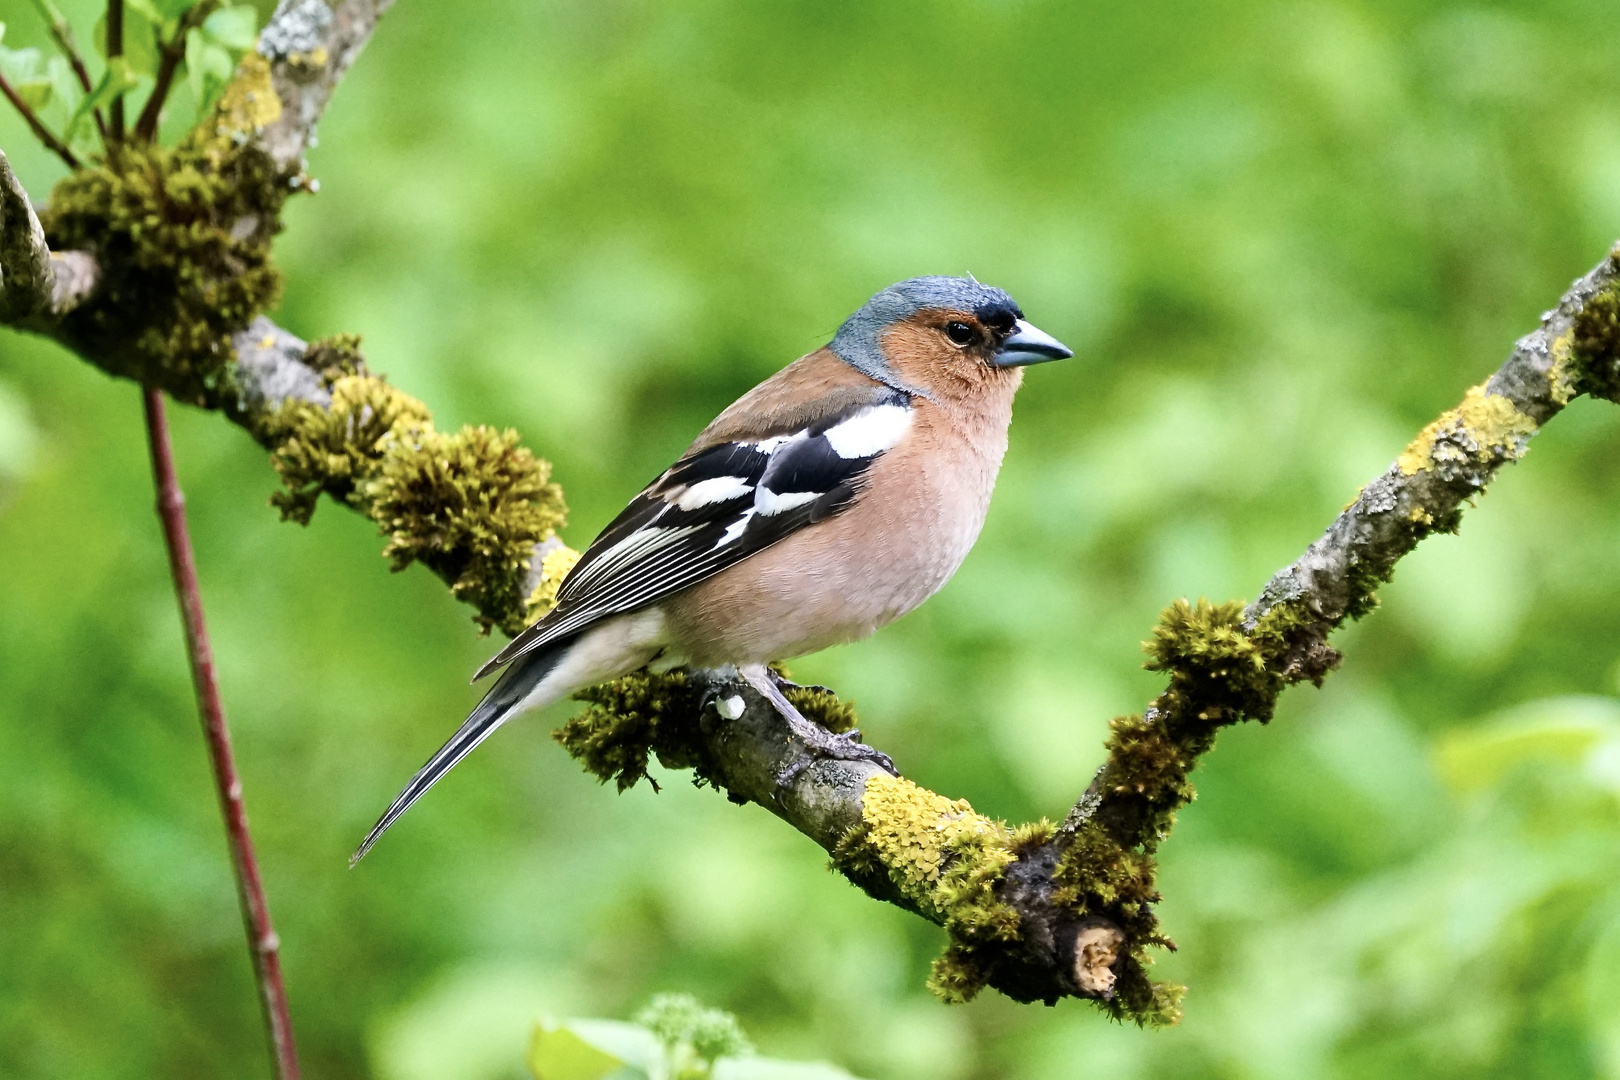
(26, 276)
(161, 271)
(309, 46)
(1042, 912)
(155, 265)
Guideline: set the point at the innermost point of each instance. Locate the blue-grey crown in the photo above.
(857, 342)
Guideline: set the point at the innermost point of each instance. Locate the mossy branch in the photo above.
(1042, 912)
(164, 277)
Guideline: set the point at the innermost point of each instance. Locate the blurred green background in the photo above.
(1281, 238)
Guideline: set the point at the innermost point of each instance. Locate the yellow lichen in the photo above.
(250, 102)
(553, 568)
(1564, 376)
(313, 60)
(946, 861)
(1421, 516)
(1484, 428)
(917, 835)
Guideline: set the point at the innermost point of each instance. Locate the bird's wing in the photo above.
(719, 504)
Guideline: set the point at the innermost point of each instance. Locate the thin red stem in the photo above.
(115, 48)
(62, 33)
(40, 131)
(263, 943)
(171, 53)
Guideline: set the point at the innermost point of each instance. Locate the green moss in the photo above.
(183, 235)
(1219, 673)
(823, 707)
(336, 356)
(1213, 663)
(630, 720)
(470, 505)
(1595, 343)
(335, 449)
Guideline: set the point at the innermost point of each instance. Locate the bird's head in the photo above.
(944, 336)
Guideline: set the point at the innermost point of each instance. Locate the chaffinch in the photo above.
(828, 501)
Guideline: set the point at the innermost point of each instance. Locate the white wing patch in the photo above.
(769, 503)
(870, 431)
(776, 442)
(735, 529)
(715, 490)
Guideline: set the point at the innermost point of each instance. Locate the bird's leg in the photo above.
(819, 742)
(785, 684)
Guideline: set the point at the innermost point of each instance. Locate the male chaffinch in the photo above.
(828, 501)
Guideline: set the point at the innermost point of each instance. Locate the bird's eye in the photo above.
(960, 333)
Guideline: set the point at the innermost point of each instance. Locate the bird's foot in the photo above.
(823, 744)
(784, 684)
(818, 741)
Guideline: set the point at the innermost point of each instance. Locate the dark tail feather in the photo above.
(521, 678)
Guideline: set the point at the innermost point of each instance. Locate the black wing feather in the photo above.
(655, 547)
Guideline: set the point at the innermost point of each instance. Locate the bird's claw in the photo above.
(844, 746)
(784, 684)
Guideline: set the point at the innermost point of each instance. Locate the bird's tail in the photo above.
(516, 684)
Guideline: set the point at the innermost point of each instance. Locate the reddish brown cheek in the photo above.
(921, 355)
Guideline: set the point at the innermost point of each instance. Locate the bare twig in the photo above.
(115, 49)
(62, 33)
(41, 132)
(171, 53)
(310, 47)
(263, 943)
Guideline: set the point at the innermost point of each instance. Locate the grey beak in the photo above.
(1028, 345)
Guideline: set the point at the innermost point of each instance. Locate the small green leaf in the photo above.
(233, 27)
(141, 43)
(1556, 731)
(116, 81)
(208, 69)
(170, 9)
(20, 65)
(146, 9)
(28, 75)
(556, 1053)
(63, 81)
(36, 93)
(630, 1043)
